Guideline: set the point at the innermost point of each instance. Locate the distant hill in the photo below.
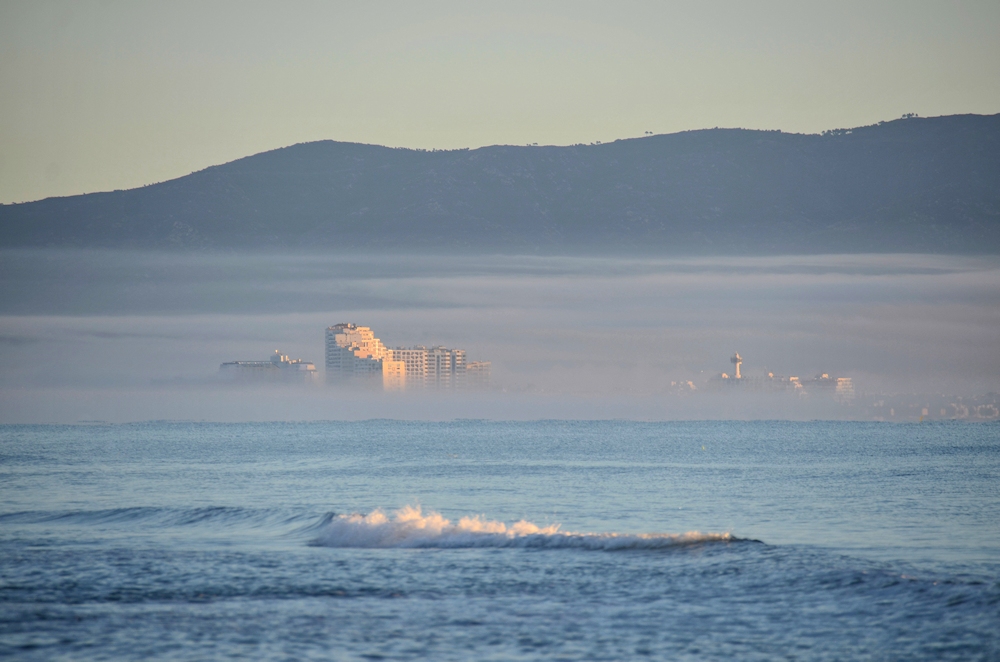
(910, 185)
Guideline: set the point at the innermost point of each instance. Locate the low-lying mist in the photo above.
(123, 336)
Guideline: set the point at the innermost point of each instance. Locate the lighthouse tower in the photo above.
(737, 360)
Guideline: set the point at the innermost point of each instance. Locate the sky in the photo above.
(112, 94)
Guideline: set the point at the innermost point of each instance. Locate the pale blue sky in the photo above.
(107, 94)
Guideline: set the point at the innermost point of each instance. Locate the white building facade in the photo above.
(353, 351)
(279, 368)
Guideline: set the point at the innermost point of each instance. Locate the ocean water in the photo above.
(489, 540)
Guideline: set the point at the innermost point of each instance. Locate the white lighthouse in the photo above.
(737, 360)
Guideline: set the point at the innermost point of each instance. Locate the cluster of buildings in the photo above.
(841, 388)
(357, 359)
(354, 352)
(355, 356)
(932, 407)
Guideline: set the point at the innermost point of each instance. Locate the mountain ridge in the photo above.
(909, 185)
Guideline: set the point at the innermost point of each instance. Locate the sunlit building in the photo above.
(477, 374)
(415, 360)
(279, 368)
(393, 375)
(841, 387)
(354, 351)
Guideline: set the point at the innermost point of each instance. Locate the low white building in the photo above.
(279, 368)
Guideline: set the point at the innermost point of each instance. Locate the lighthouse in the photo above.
(737, 361)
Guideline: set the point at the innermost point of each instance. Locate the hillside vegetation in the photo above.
(910, 185)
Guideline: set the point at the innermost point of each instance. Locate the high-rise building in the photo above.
(393, 375)
(445, 368)
(459, 368)
(353, 350)
(415, 360)
(437, 367)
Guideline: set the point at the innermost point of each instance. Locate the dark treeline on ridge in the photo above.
(910, 185)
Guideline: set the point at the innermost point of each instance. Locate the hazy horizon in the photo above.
(111, 95)
(120, 335)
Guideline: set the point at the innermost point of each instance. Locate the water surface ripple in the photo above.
(489, 540)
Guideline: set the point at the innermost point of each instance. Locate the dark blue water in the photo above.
(293, 541)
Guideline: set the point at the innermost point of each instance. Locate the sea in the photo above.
(489, 540)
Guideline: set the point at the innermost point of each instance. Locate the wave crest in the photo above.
(410, 527)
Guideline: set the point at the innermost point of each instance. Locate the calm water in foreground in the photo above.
(544, 540)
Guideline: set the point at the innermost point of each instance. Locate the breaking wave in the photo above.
(410, 527)
(407, 527)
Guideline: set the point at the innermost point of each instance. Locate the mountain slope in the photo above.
(912, 185)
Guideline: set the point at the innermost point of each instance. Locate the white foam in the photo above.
(409, 527)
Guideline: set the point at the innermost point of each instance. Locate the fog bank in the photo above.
(136, 336)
